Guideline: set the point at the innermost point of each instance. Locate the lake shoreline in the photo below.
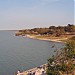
(45, 39)
(44, 65)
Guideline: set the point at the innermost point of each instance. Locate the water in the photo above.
(19, 53)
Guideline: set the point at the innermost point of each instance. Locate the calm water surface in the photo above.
(19, 53)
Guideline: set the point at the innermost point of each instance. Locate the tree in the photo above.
(70, 28)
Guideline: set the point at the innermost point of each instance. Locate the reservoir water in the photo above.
(20, 53)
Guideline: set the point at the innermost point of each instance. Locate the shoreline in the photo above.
(45, 39)
(32, 70)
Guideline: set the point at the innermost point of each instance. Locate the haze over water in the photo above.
(19, 53)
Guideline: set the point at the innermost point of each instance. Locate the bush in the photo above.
(65, 60)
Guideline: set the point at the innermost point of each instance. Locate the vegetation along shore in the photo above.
(63, 62)
(58, 34)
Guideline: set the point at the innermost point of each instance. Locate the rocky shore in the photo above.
(41, 70)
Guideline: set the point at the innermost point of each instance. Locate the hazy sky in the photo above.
(21, 14)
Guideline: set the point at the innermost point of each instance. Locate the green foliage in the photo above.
(71, 67)
(70, 48)
(52, 72)
(70, 28)
(51, 60)
(63, 67)
(65, 60)
(70, 45)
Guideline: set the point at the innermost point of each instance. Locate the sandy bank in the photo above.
(45, 39)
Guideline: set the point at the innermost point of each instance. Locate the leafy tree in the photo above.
(70, 28)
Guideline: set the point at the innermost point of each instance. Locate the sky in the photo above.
(23, 14)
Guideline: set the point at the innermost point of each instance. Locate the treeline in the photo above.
(52, 30)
